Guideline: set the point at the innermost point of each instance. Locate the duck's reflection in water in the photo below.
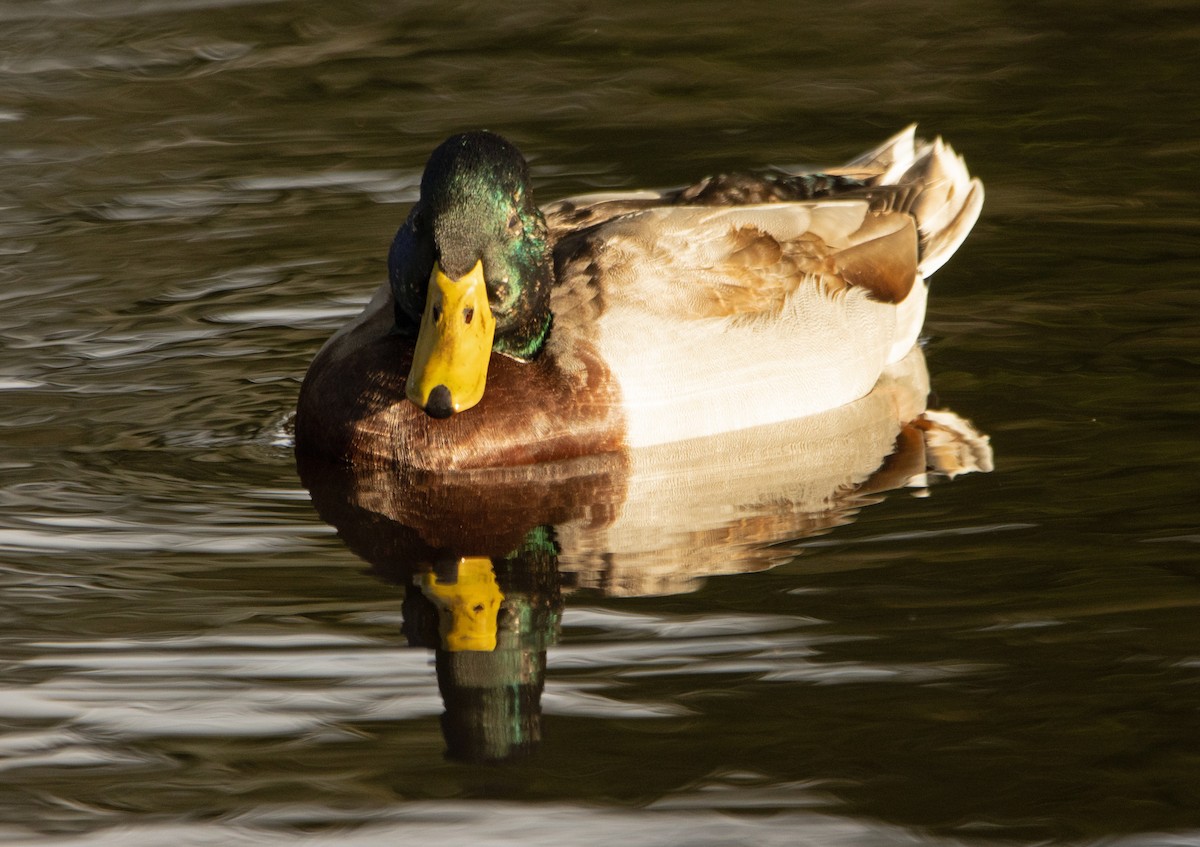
(490, 644)
(485, 556)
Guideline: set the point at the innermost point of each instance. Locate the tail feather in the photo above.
(890, 158)
(947, 200)
(939, 245)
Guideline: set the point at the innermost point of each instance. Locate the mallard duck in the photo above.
(509, 335)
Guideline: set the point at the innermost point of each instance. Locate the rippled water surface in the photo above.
(196, 650)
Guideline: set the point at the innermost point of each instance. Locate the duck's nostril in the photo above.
(468, 313)
(439, 404)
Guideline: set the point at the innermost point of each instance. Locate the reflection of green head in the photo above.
(532, 584)
(468, 600)
(491, 656)
(493, 703)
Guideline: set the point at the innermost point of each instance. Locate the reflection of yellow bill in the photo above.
(454, 345)
(467, 607)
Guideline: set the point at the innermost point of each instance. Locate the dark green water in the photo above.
(195, 194)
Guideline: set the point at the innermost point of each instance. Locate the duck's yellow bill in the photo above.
(468, 607)
(454, 345)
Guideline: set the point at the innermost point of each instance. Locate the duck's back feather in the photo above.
(716, 317)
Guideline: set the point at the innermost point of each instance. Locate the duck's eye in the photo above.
(514, 223)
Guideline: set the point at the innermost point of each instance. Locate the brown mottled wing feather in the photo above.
(574, 215)
(887, 218)
(756, 275)
(881, 257)
(693, 262)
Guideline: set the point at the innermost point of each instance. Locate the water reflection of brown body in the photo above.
(485, 556)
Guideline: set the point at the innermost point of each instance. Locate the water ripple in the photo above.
(267, 686)
(507, 825)
(65, 748)
(132, 538)
(500, 824)
(766, 647)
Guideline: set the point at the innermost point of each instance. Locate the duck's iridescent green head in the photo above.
(470, 270)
